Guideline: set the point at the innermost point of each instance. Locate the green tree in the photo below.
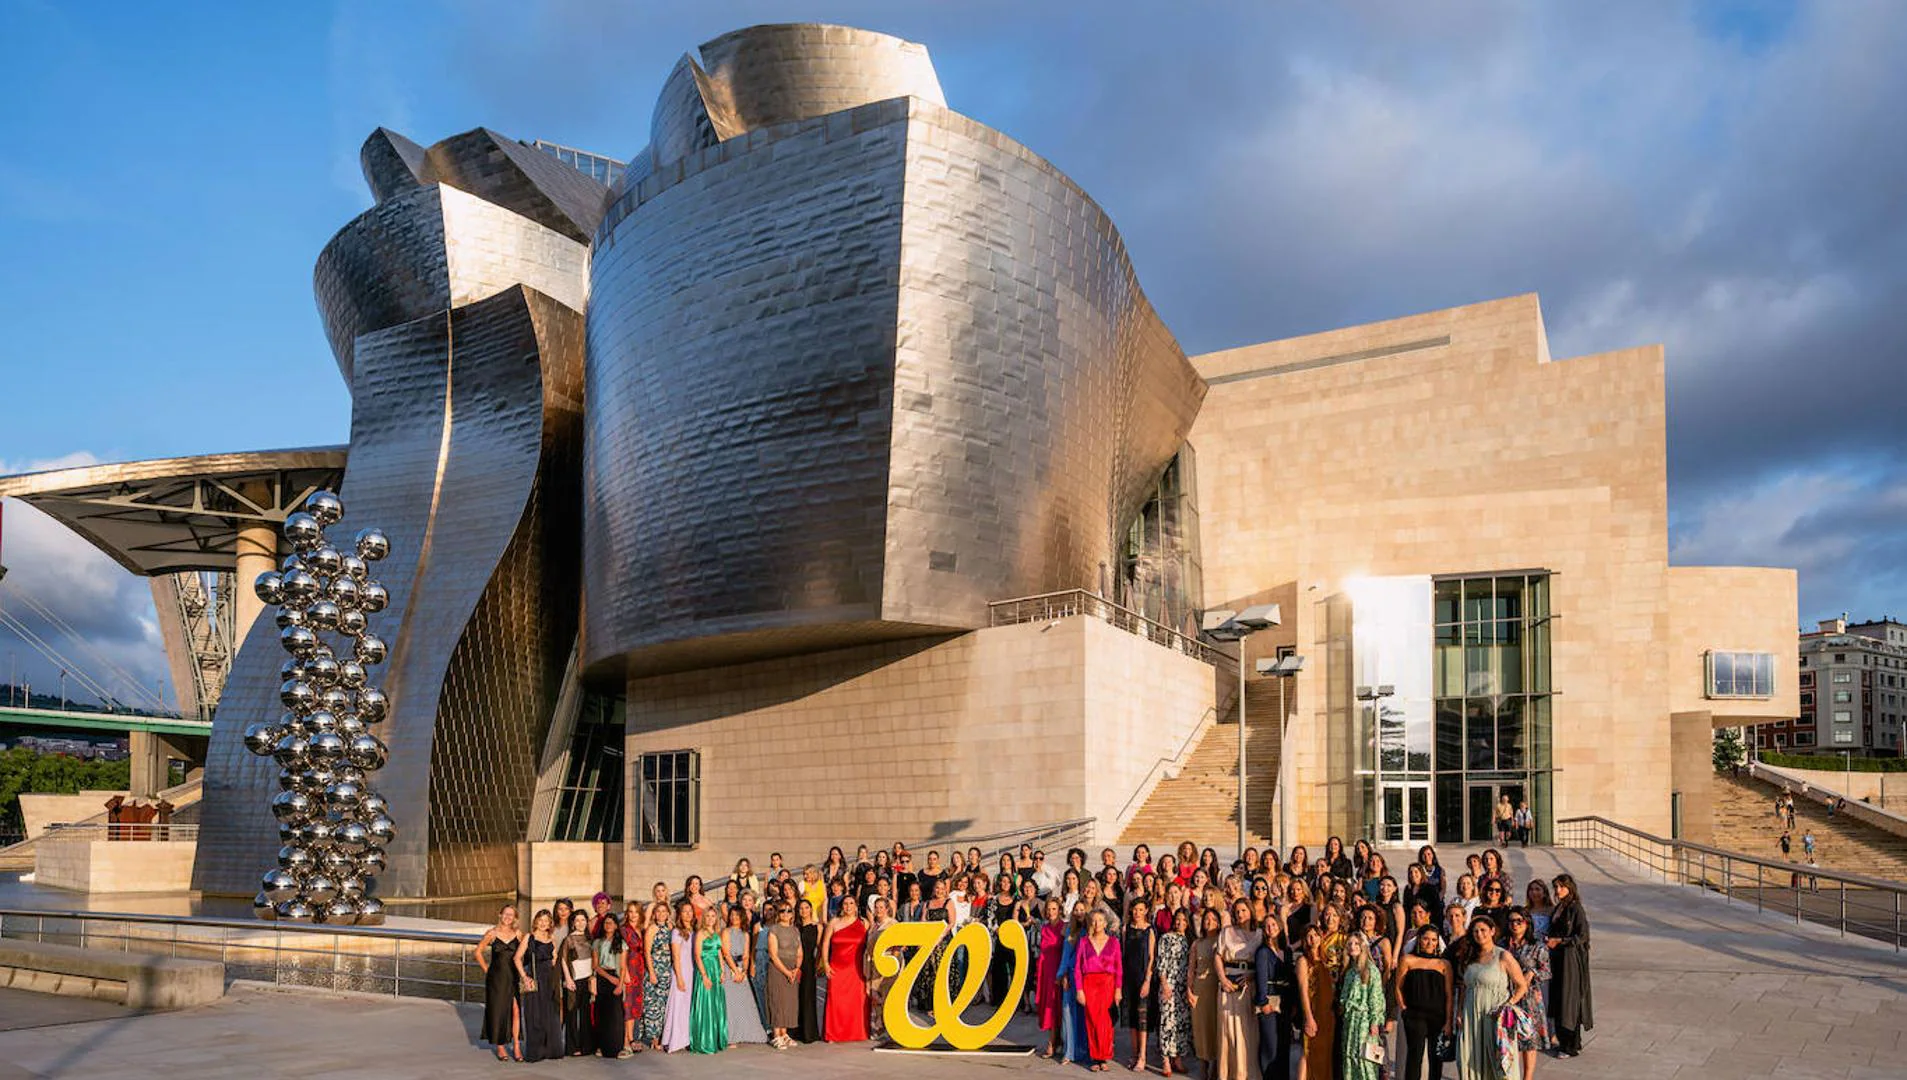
(29, 772)
(1729, 751)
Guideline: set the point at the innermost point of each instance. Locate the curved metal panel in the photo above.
(519, 178)
(392, 164)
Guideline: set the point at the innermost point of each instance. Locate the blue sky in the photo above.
(1718, 177)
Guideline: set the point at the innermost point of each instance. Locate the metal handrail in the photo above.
(130, 832)
(1888, 820)
(1069, 602)
(1684, 862)
(1205, 722)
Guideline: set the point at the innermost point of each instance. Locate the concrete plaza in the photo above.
(1685, 987)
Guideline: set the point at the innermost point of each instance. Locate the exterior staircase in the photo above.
(1201, 803)
(1745, 821)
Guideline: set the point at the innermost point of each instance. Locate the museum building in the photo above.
(822, 475)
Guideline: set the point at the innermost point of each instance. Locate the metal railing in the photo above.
(1856, 904)
(1877, 816)
(382, 960)
(1067, 603)
(130, 832)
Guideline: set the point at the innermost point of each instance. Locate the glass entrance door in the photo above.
(1403, 812)
(1482, 808)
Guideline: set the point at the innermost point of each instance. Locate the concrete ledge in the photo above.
(139, 980)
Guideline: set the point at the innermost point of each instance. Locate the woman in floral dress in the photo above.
(661, 975)
(1533, 955)
(1175, 1007)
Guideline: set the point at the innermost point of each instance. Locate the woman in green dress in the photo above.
(708, 1009)
(1491, 979)
(1363, 1020)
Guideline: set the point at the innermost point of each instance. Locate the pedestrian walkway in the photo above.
(1686, 987)
(1745, 821)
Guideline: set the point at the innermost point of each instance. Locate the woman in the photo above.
(1205, 990)
(731, 898)
(841, 943)
(1372, 928)
(708, 1008)
(1364, 1025)
(635, 973)
(1569, 1001)
(1537, 902)
(1097, 966)
(1236, 955)
(1532, 955)
(915, 909)
(1360, 862)
(758, 974)
(1138, 948)
(1296, 912)
(1391, 903)
(1494, 906)
(1335, 934)
(1318, 995)
(577, 962)
(1168, 871)
(1375, 871)
(607, 968)
(1050, 993)
(661, 975)
(1432, 870)
(1208, 862)
(837, 892)
(783, 991)
(744, 1022)
(692, 892)
(1173, 966)
(1491, 979)
(1112, 890)
(879, 918)
(997, 911)
(496, 955)
(1423, 996)
(1271, 994)
(1187, 860)
(1141, 865)
(744, 877)
(1299, 863)
(677, 1030)
(836, 867)
(1336, 862)
(1069, 886)
(1494, 870)
(1467, 894)
(1418, 890)
(536, 973)
(810, 929)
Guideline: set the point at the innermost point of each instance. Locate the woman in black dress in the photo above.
(496, 955)
(810, 1029)
(536, 973)
(1138, 951)
(575, 963)
(1569, 1000)
(607, 949)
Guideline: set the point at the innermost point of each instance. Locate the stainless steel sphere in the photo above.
(260, 738)
(373, 545)
(298, 910)
(292, 752)
(320, 720)
(291, 806)
(287, 832)
(370, 911)
(355, 775)
(355, 568)
(336, 700)
(320, 888)
(290, 562)
(342, 910)
(326, 561)
(373, 598)
(314, 778)
(298, 695)
(299, 586)
(287, 617)
(374, 805)
(336, 863)
(288, 781)
(296, 859)
(350, 887)
(349, 725)
(373, 706)
(291, 669)
(323, 615)
(351, 674)
(366, 752)
(342, 795)
(280, 885)
(383, 830)
(352, 623)
(369, 650)
(303, 532)
(322, 671)
(317, 833)
(270, 587)
(327, 748)
(354, 838)
(325, 506)
(263, 908)
(298, 640)
(371, 861)
(343, 592)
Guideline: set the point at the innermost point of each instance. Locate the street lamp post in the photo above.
(1236, 627)
(1285, 668)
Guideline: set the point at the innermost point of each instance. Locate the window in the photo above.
(1807, 699)
(1741, 675)
(589, 802)
(671, 799)
(1843, 676)
(1843, 697)
(1843, 716)
(1844, 735)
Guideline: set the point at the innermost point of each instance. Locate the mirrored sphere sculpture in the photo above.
(333, 822)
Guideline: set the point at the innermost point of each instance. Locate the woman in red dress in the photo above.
(1052, 942)
(841, 942)
(1097, 969)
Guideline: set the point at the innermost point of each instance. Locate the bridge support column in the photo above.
(257, 551)
(152, 755)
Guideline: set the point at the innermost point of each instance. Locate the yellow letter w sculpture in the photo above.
(948, 1007)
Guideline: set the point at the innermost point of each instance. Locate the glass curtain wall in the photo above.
(589, 803)
(1159, 575)
(1493, 701)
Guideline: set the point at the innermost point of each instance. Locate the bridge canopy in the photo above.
(172, 515)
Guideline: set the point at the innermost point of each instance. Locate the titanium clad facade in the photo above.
(853, 377)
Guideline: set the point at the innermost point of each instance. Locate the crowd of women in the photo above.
(1271, 968)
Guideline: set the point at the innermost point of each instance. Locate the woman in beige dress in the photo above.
(1205, 989)
(1237, 1021)
(881, 916)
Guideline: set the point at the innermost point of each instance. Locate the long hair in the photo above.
(1357, 957)
(1565, 881)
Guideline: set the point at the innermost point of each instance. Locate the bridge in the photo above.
(104, 721)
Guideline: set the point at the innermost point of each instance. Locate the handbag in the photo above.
(1446, 1047)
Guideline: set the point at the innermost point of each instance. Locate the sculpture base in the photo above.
(990, 1050)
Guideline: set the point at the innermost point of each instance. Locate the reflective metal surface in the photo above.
(853, 377)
